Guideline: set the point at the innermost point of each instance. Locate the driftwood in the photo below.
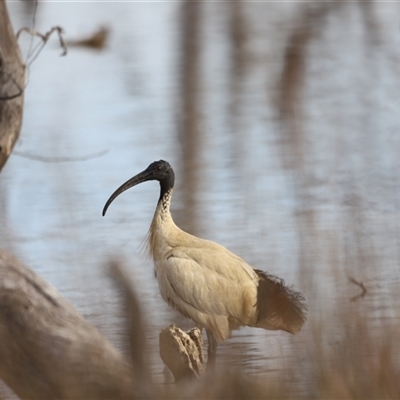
(47, 350)
(12, 81)
(182, 352)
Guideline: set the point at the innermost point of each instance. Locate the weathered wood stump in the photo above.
(47, 350)
(182, 352)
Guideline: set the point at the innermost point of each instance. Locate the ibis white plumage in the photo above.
(206, 282)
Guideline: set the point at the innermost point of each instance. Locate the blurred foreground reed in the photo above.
(343, 354)
(347, 353)
(365, 364)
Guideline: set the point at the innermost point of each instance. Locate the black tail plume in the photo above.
(279, 307)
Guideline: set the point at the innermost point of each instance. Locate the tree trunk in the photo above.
(12, 81)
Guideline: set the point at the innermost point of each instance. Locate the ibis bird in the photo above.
(206, 282)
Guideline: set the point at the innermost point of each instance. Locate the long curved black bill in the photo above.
(139, 178)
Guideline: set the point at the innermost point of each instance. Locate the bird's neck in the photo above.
(162, 228)
(164, 202)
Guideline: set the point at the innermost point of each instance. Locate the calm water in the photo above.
(313, 203)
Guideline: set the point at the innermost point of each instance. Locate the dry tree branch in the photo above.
(59, 159)
(44, 37)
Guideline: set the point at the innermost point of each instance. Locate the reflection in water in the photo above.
(238, 62)
(189, 132)
(307, 26)
(290, 94)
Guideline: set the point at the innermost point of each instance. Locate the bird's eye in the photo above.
(159, 167)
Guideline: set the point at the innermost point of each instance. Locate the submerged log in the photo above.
(182, 352)
(12, 82)
(47, 350)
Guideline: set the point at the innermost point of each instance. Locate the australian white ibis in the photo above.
(206, 282)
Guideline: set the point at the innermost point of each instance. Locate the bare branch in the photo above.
(59, 159)
(44, 37)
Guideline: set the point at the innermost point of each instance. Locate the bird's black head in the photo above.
(158, 170)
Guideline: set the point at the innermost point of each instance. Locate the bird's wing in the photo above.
(217, 258)
(212, 282)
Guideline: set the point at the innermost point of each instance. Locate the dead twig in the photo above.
(361, 285)
(44, 37)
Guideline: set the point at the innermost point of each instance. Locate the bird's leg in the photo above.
(212, 349)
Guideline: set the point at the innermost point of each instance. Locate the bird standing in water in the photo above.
(207, 283)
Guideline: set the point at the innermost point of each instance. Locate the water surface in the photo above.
(311, 196)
